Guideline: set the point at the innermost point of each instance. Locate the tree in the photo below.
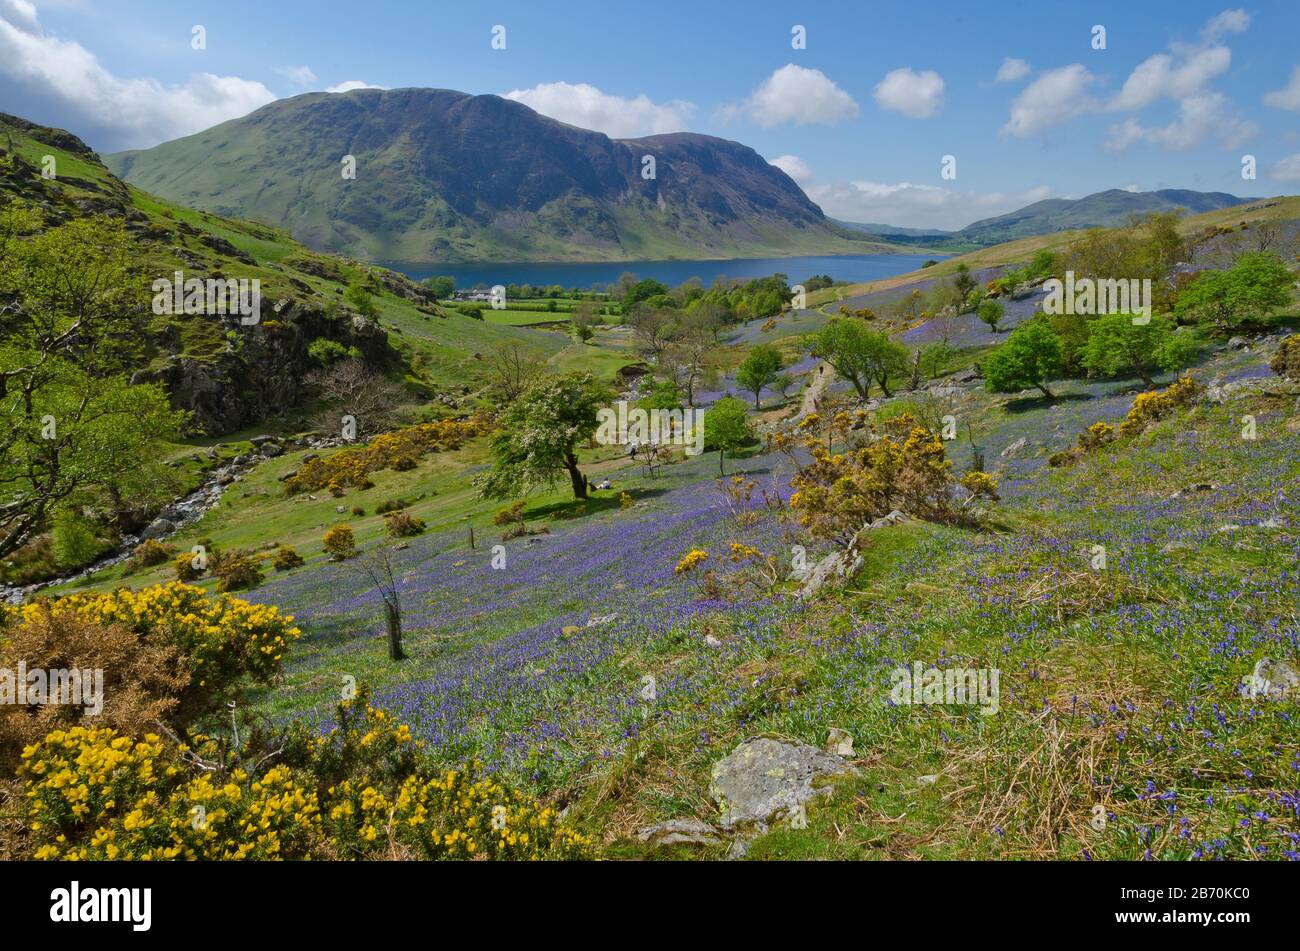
(859, 355)
(353, 388)
(539, 435)
(361, 300)
(642, 291)
(759, 368)
(991, 312)
(654, 327)
(584, 321)
(726, 428)
(928, 362)
(963, 282)
(1031, 357)
(72, 318)
(1253, 287)
(510, 367)
(442, 287)
(377, 565)
(1117, 346)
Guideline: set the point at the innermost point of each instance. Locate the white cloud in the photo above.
(351, 84)
(916, 95)
(61, 83)
(798, 95)
(1229, 21)
(1056, 96)
(298, 75)
(1166, 76)
(1286, 170)
(1011, 70)
(587, 107)
(911, 205)
(793, 166)
(1288, 97)
(1205, 115)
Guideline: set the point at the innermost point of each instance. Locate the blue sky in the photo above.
(861, 117)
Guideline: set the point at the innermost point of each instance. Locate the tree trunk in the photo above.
(1046, 392)
(393, 615)
(576, 477)
(721, 452)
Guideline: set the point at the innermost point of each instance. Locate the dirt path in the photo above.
(822, 377)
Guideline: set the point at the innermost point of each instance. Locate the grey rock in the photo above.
(1282, 677)
(1015, 447)
(680, 832)
(711, 641)
(927, 780)
(1238, 343)
(764, 778)
(739, 849)
(262, 440)
(158, 528)
(839, 564)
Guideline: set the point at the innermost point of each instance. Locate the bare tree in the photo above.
(353, 388)
(510, 367)
(378, 567)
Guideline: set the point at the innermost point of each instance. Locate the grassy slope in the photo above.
(1013, 252)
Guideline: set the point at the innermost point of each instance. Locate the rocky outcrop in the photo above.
(764, 779)
(262, 371)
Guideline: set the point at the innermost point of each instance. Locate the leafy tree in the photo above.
(726, 428)
(1117, 346)
(441, 286)
(963, 282)
(642, 291)
(860, 355)
(1253, 287)
(73, 314)
(361, 300)
(584, 321)
(664, 394)
(539, 435)
(759, 368)
(1031, 357)
(991, 312)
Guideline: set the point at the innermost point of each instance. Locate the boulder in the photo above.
(158, 528)
(765, 778)
(1015, 447)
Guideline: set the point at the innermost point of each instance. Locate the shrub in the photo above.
(1286, 362)
(340, 543)
(148, 553)
(222, 639)
(399, 450)
(142, 680)
(185, 568)
(1152, 407)
(391, 505)
(74, 542)
(286, 558)
(403, 525)
(896, 464)
(1096, 435)
(1031, 357)
(236, 571)
(365, 790)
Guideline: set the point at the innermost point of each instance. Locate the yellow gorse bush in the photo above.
(94, 794)
(222, 637)
(399, 450)
(1150, 407)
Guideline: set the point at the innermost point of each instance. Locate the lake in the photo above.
(586, 275)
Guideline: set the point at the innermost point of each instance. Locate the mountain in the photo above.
(1101, 210)
(446, 176)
